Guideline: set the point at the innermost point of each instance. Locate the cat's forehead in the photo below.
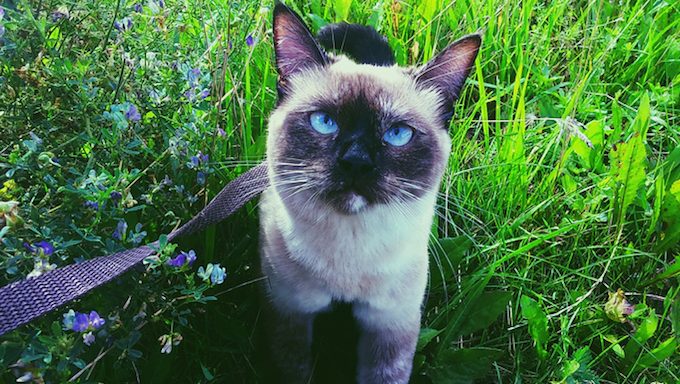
(387, 90)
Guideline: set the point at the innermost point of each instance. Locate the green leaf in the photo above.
(455, 248)
(590, 155)
(641, 123)
(341, 8)
(647, 328)
(206, 373)
(628, 170)
(464, 365)
(538, 324)
(658, 354)
(427, 9)
(671, 203)
(484, 311)
(426, 335)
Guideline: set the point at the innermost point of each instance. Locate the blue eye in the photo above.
(323, 123)
(398, 136)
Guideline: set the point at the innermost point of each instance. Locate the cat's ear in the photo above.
(447, 71)
(294, 45)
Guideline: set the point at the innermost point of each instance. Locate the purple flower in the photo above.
(123, 25)
(88, 338)
(2, 13)
(95, 320)
(193, 75)
(204, 93)
(178, 261)
(121, 228)
(58, 15)
(221, 132)
(132, 114)
(115, 196)
(81, 322)
(184, 258)
(43, 247)
(250, 40)
(200, 178)
(92, 205)
(138, 7)
(193, 162)
(204, 158)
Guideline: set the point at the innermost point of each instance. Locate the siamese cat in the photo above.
(356, 150)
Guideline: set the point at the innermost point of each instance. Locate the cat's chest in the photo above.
(357, 258)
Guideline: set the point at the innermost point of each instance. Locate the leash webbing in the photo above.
(25, 300)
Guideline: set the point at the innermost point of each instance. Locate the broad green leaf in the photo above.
(671, 204)
(647, 328)
(426, 335)
(628, 170)
(464, 365)
(641, 123)
(538, 324)
(484, 311)
(341, 8)
(428, 8)
(590, 155)
(658, 354)
(455, 248)
(644, 332)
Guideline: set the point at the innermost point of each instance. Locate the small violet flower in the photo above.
(41, 248)
(200, 178)
(250, 40)
(132, 114)
(88, 338)
(123, 25)
(59, 13)
(138, 7)
(115, 196)
(184, 258)
(82, 322)
(121, 228)
(92, 205)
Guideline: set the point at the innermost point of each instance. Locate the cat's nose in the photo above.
(356, 160)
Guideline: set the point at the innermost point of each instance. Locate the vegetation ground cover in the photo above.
(556, 237)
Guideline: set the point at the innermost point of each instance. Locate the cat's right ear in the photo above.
(294, 46)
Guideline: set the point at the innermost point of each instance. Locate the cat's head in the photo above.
(352, 135)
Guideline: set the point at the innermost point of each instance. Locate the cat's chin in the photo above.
(349, 203)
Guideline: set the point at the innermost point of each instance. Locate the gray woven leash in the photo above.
(28, 299)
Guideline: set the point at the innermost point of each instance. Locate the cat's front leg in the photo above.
(387, 343)
(290, 338)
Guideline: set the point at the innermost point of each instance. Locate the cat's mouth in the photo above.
(350, 200)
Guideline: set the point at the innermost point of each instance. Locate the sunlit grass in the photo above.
(528, 213)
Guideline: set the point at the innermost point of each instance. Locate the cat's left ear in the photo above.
(294, 45)
(447, 71)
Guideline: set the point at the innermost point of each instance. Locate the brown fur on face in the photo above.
(365, 101)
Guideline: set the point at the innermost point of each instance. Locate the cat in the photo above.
(356, 150)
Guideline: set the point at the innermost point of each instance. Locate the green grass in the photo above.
(534, 228)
